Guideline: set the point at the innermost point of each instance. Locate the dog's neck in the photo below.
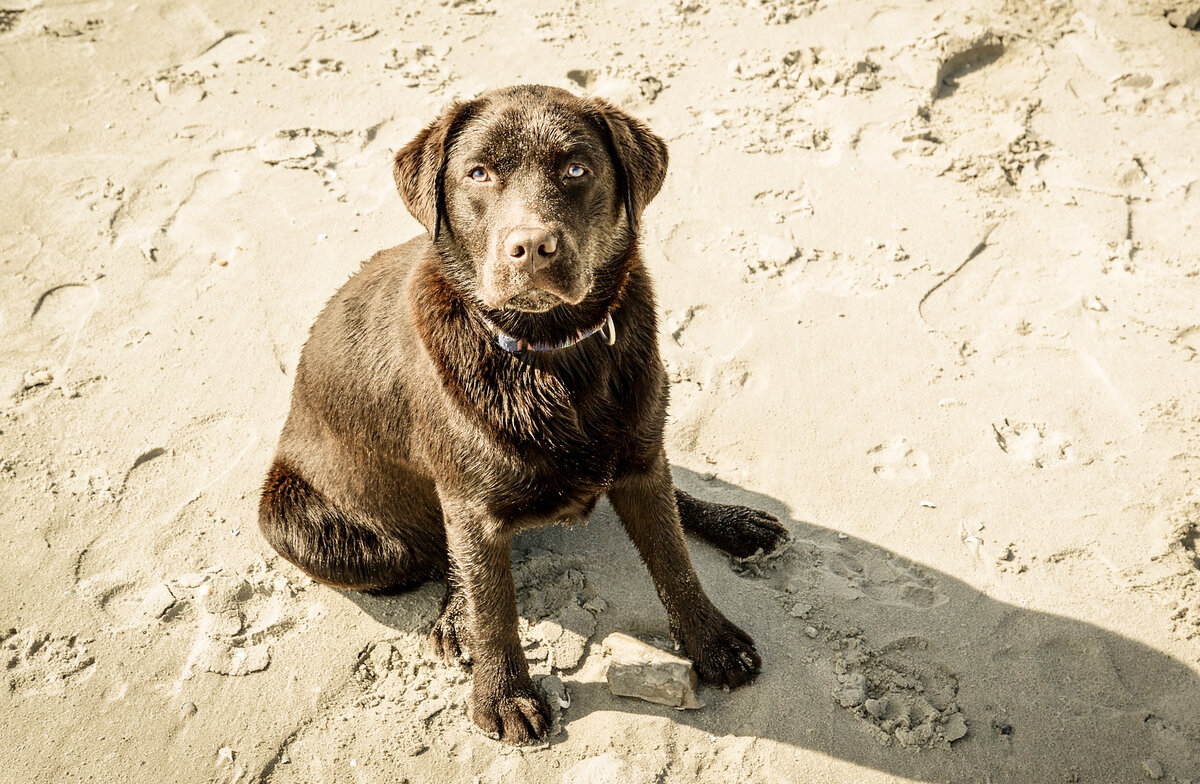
(515, 345)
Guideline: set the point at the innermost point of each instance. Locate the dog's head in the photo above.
(530, 191)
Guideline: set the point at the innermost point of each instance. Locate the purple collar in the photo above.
(514, 345)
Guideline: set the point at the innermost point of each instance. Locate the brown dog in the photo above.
(501, 373)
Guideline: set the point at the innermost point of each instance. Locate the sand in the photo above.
(929, 277)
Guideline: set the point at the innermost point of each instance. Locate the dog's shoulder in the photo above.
(355, 348)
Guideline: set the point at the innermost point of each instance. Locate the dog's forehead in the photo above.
(512, 133)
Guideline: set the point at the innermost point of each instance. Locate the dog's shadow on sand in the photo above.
(875, 660)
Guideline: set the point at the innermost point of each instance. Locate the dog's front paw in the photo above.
(723, 654)
(515, 712)
(449, 637)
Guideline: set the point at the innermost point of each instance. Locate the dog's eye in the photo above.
(479, 174)
(575, 171)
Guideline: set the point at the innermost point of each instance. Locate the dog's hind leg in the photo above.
(331, 545)
(738, 530)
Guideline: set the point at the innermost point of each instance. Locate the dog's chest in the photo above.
(563, 457)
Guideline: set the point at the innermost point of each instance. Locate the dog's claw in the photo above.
(517, 718)
(724, 655)
(761, 536)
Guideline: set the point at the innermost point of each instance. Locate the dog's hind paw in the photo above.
(761, 531)
(738, 530)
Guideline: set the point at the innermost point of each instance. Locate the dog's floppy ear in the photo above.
(420, 167)
(639, 155)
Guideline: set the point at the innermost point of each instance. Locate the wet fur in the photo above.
(416, 448)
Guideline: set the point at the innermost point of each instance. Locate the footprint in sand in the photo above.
(884, 578)
(1170, 571)
(897, 460)
(111, 570)
(1080, 671)
(205, 226)
(424, 702)
(238, 620)
(957, 77)
(61, 312)
(394, 683)
(38, 662)
(43, 352)
(851, 571)
(1032, 443)
(420, 66)
(901, 691)
(179, 215)
(558, 609)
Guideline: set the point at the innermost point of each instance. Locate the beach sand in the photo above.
(929, 283)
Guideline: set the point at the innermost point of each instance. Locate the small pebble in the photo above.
(187, 710)
(811, 632)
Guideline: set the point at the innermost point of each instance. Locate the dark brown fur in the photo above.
(416, 447)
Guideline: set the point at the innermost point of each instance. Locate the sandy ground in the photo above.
(929, 275)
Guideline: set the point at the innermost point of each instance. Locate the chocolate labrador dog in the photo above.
(501, 372)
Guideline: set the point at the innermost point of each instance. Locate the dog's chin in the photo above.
(535, 301)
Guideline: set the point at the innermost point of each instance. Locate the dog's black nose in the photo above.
(531, 245)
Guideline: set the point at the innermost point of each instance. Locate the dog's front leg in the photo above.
(724, 655)
(504, 700)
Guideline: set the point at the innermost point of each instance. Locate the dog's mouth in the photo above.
(534, 301)
(537, 293)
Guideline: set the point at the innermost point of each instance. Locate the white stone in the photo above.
(639, 670)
